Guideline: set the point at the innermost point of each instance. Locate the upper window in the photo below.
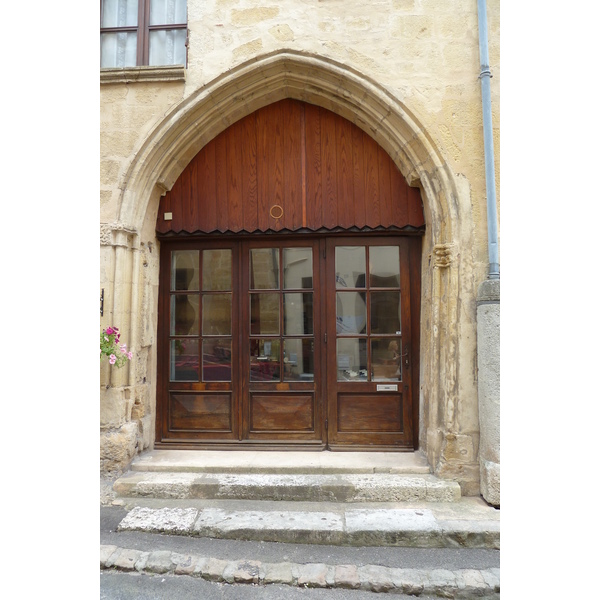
(142, 32)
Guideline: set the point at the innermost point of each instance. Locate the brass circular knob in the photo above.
(276, 211)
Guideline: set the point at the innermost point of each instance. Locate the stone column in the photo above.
(488, 362)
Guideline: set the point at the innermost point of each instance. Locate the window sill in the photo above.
(149, 74)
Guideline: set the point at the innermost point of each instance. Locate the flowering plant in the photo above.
(116, 353)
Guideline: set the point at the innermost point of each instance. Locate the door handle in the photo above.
(406, 358)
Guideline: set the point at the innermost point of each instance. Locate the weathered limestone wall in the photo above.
(381, 64)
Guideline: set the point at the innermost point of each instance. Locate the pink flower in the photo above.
(110, 330)
(123, 348)
(112, 359)
(130, 355)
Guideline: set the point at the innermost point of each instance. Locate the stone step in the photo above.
(311, 487)
(274, 462)
(469, 523)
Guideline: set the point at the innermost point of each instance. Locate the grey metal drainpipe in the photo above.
(488, 143)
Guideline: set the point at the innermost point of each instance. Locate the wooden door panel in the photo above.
(366, 413)
(208, 412)
(277, 413)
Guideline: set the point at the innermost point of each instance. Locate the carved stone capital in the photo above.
(117, 234)
(443, 255)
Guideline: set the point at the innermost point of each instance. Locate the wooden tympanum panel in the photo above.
(290, 166)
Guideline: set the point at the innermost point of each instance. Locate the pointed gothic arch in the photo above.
(208, 111)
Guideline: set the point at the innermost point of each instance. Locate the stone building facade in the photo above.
(407, 73)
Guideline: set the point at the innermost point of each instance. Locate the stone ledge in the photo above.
(144, 74)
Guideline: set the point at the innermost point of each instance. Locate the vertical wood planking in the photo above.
(399, 199)
(234, 178)
(371, 183)
(178, 216)
(320, 168)
(329, 169)
(276, 191)
(221, 181)
(415, 207)
(345, 179)
(249, 174)
(313, 167)
(358, 159)
(194, 213)
(292, 171)
(263, 169)
(208, 187)
(385, 191)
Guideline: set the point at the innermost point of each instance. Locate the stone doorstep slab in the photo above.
(407, 527)
(246, 461)
(459, 583)
(380, 487)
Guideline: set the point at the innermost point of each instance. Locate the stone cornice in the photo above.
(147, 74)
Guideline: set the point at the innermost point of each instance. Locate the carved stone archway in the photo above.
(286, 74)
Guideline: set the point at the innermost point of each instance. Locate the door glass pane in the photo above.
(352, 359)
(167, 11)
(298, 360)
(298, 314)
(167, 47)
(184, 270)
(184, 360)
(384, 266)
(216, 314)
(385, 312)
(118, 49)
(264, 269)
(297, 268)
(119, 13)
(184, 314)
(385, 359)
(216, 360)
(264, 360)
(264, 314)
(216, 270)
(350, 266)
(351, 309)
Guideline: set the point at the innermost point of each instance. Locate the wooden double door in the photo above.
(299, 342)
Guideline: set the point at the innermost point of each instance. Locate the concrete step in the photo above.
(467, 523)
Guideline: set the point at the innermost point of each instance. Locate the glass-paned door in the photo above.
(368, 390)
(200, 342)
(282, 360)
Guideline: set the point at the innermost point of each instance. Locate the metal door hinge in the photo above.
(325, 338)
(326, 424)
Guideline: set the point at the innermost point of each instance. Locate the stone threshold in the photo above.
(258, 461)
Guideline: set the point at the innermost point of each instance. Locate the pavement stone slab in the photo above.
(278, 573)
(161, 520)
(160, 561)
(346, 576)
(106, 551)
